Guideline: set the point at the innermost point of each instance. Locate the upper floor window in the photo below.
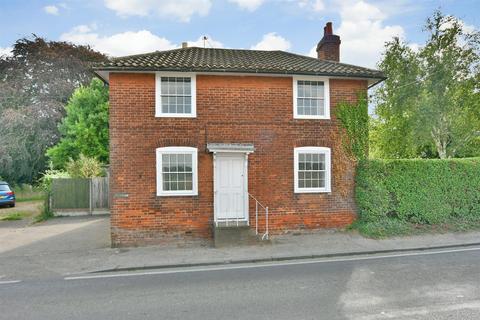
(176, 171)
(312, 169)
(175, 95)
(311, 98)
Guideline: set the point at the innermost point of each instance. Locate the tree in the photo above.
(429, 106)
(35, 84)
(84, 130)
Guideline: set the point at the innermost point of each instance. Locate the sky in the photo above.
(124, 27)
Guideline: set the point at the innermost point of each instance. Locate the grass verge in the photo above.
(21, 198)
(14, 216)
(386, 228)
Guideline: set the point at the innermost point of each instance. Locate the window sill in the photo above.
(312, 117)
(164, 194)
(179, 115)
(300, 191)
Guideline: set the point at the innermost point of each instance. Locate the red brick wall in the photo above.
(230, 109)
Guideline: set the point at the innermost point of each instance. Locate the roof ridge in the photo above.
(329, 61)
(149, 53)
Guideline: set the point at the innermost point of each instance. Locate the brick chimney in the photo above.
(329, 47)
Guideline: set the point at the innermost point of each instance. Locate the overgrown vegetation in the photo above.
(398, 197)
(46, 213)
(354, 120)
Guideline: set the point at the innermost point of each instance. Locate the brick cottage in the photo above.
(197, 134)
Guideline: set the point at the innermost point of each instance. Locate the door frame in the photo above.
(245, 186)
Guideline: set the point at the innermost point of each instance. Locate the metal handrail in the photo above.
(258, 203)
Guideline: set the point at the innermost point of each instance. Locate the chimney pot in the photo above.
(184, 45)
(328, 28)
(329, 47)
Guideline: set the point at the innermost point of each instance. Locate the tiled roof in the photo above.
(196, 59)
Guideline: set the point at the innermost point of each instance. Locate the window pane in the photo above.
(301, 183)
(180, 108)
(310, 96)
(177, 171)
(301, 91)
(176, 95)
(188, 162)
(301, 165)
(171, 87)
(164, 86)
(311, 170)
(181, 177)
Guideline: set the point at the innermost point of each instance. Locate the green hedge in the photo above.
(418, 191)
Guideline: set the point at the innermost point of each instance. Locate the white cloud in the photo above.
(415, 46)
(120, 44)
(51, 10)
(210, 43)
(313, 52)
(5, 51)
(467, 28)
(250, 5)
(129, 42)
(315, 5)
(182, 10)
(363, 33)
(272, 41)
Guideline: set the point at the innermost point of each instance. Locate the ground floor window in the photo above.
(312, 169)
(176, 171)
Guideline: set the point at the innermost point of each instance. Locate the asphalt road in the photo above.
(419, 286)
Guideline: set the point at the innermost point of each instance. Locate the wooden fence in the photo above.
(80, 196)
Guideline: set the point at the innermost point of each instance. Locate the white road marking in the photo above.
(264, 265)
(10, 281)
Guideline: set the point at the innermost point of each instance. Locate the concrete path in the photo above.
(66, 246)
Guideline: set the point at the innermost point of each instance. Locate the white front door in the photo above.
(231, 195)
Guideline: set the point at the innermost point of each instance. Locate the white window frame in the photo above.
(328, 169)
(158, 94)
(177, 150)
(326, 97)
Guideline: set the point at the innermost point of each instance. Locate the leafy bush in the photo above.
(85, 167)
(49, 175)
(425, 192)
